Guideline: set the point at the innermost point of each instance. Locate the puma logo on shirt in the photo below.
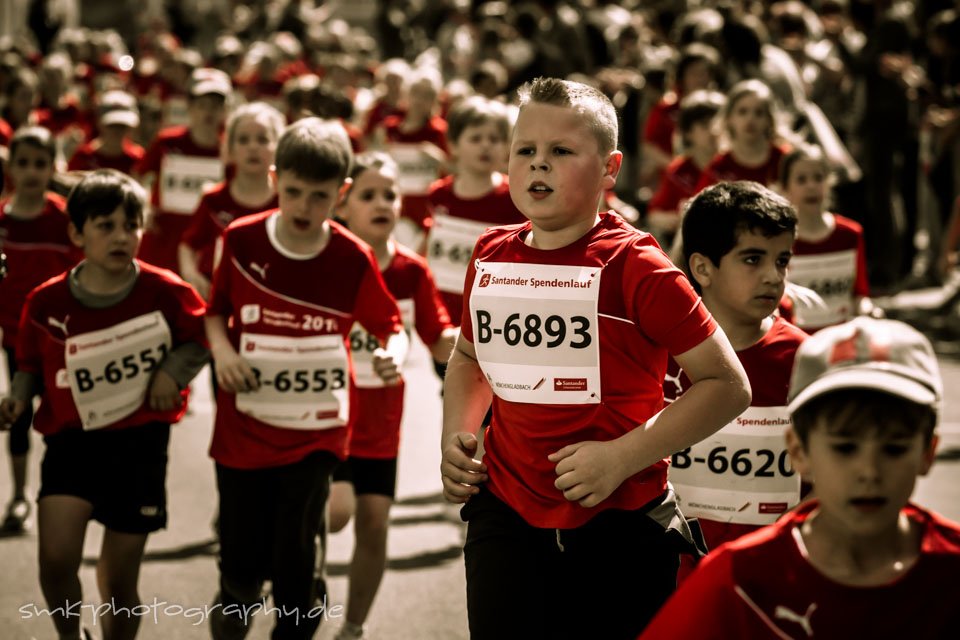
(804, 621)
(53, 322)
(262, 271)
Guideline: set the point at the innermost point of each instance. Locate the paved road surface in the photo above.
(422, 596)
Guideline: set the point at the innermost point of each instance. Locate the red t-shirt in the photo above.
(182, 169)
(376, 417)
(836, 268)
(60, 118)
(57, 327)
(89, 157)
(600, 373)
(379, 112)
(37, 250)
(769, 364)
(448, 257)
(415, 207)
(216, 210)
(662, 122)
(763, 586)
(678, 183)
(273, 299)
(723, 168)
(6, 132)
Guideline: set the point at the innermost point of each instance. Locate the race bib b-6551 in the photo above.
(109, 370)
(536, 332)
(304, 381)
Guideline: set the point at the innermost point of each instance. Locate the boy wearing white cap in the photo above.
(860, 560)
(113, 148)
(180, 163)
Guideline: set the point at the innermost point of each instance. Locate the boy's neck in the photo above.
(204, 137)
(814, 228)
(702, 157)
(93, 279)
(742, 333)
(110, 148)
(249, 189)
(471, 184)
(413, 123)
(857, 560)
(304, 245)
(28, 206)
(548, 240)
(752, 154)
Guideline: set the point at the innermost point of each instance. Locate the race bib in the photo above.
(741, 473)
(536, 333)
(109, 371)
(304, 382)
(363, 344)
(417, 169)
(449, 248)
(409, 234)
(182, 179)
(831, 275)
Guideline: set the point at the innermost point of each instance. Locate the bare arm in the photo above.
(442, 349)
(588, 472)
(187, 258)
(466, 399)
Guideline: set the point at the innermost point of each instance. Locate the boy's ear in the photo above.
(701, 269)
(272, 176)
(611, 169)
(798, 455)
(75, 236)
(929, 455)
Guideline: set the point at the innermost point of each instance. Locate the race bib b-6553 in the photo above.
(304, 381)
(535, 329)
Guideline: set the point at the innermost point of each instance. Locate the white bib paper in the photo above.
(417, 169)
(449, 248)
(183, 179)
(741, 473)
(363, 344)
(109, 370)
(176, 112)
(832, 276)
(304, 382)
(536, 333)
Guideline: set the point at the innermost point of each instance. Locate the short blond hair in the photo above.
(591, 104)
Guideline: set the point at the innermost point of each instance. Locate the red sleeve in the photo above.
(29, 337)
(191, 310)
(431, 314)
(202, 232)
(663, 302)
(658, 129)
(151, 160)
(703, 607)
(376, 309)
(862, 286)
(219, 303)
(668, 196)
(466, 322)
(707, 178)
(79, 161)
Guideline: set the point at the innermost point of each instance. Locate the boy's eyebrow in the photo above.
(750, 251)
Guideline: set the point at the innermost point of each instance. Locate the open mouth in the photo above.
(540, 189)
(868, 503)
(380, 220)
(301, 225)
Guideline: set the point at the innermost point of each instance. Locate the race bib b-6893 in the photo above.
(536, 332)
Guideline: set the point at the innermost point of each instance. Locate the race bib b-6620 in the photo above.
(304, 381)
(109, 370)
(536, 332)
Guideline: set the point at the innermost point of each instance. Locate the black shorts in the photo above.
(122, 473)
(369, 475)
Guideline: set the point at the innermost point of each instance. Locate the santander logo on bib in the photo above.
(484, 280)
